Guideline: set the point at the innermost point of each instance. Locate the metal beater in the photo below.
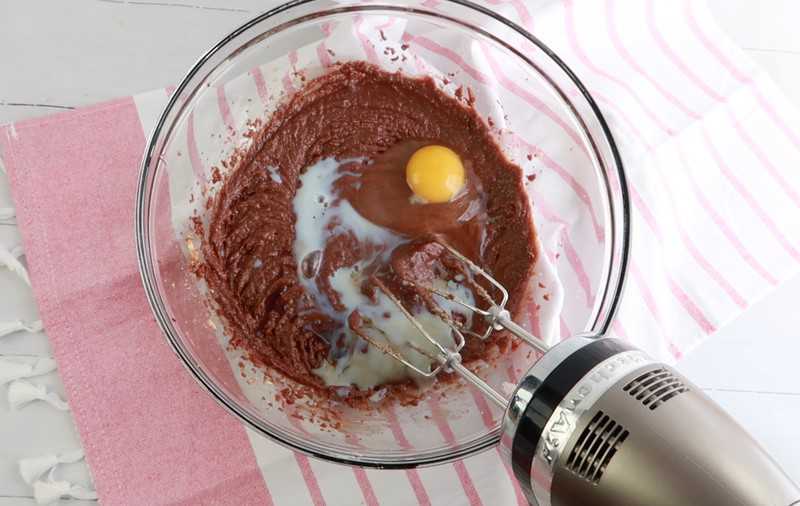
(597, 422)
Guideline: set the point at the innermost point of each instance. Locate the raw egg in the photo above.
(435, 174)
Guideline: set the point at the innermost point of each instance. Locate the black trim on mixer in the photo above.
(547, 397)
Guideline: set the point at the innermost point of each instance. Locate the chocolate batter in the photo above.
(357, 111)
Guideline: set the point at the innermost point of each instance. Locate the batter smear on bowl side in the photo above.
(320, 212)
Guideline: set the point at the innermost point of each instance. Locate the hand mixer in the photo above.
(596, 421)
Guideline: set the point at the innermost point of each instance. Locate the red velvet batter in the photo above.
(357, 110)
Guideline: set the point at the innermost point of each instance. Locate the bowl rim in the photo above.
(600, 325)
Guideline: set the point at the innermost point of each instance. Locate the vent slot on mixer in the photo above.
(655, 387)
(596, 447)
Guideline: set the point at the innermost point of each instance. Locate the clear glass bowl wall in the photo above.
(535, 103)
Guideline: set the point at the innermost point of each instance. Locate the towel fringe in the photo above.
(7, 216)
(11, 370)
(9, 327)
(49, 491)
(33, 468)
(9, 258)
(22, 392)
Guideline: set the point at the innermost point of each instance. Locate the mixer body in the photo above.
(596, 422)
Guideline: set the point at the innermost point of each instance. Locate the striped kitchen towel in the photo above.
(711, 148)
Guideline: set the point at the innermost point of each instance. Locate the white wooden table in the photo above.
(57, 55)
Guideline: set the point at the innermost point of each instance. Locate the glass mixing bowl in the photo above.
(543, 118)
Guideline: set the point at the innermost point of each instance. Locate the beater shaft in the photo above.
(496, 316)
(503, 320)
(476, 380)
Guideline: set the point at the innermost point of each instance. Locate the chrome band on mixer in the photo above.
(564, 420)
(547, 384)
(532, 379)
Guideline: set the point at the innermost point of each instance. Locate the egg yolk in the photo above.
(435, 174)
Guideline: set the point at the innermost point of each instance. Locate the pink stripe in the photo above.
(461, 470)
(739, 75)
(573, 259)
(650, 302)
(327, 28)
(711, 47)
(310, 479)
(533, 318)
(609, 104)
(531, 99)
(524, 18)
(773, 114)
(522, 12)
(662, 44)
(568, 178)
(765, 162)
(705, 264)
(696, 254)
(365, 486)
(366, 44)
(712, 272)
(724, 228)
(286, 81)
(418, 487)
(690, 307)
(361, 476)
(565, 332)
(387, 24)
(305, 467)
(466, 482)
(261, 84)
(412, 474)
(585, 60)
(785, 186)
(420, 65)
(683, 299)
(645, 212)
(619, 329)
(483, 408)
(194, 153)
(524, 15)
(170, 90)
(451, 55)
(637, 199)
(324, 56)
(748, 197)
(288, 87)
(676, 352)
(521, 500)
(225, 109)
(647, 295)
(488, 421)
(504, 81)
(618, 45)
